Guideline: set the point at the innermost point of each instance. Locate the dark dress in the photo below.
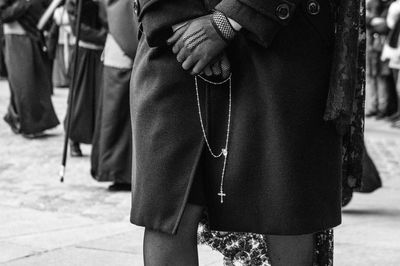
(284, 165)
(88, 82)
(112, 145)
(3, 68)
(31, 110)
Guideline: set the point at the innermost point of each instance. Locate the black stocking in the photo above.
(160, 249)
(291, 250)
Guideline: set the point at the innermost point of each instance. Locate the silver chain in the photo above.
(224, 151)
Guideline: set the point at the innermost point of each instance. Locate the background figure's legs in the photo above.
(75, 149)
(396, 119)
(291, 250)
(371, 100)
(393, 98)
(180, 249)
(383, 83)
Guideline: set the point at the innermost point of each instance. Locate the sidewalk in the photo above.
(44, 222)
(31, 237)
(370, 233)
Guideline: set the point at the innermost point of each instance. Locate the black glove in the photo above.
(197, 44)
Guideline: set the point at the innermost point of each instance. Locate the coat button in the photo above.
(283, 11)
(136, 7)
(313, 7)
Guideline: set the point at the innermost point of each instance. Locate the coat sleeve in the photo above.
(261, 19)
(158, 16)
(10, 13)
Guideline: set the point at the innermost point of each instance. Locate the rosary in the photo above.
(224, 150)
(226, 31)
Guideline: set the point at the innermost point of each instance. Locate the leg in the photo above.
(371, 96)
(179, 250)
(396, 120)
(75, 149)
(392, 106)
(383, 83)
(120, 187)
(291, 250)
(397, 84)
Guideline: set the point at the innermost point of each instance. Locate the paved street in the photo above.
(44, 222)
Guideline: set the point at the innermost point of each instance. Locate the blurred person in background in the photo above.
(112, 145)
(380, 81)
(64, 41)
(3, 69)
(30, 111)
(90, 70)
(393, 53)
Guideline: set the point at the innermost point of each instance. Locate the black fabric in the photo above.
(52, 40)
(245, 12)
(112, 145)
(3, 68)
(284, 167)
(257, 18)
(86, 95)
(197, 194)
(393, 35)
(93, 26)
(371, 179)
(30, 84)
(253, 248)
(13, 10)
(27, 13)
(168, 13)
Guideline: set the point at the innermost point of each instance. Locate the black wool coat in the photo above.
(284, 165)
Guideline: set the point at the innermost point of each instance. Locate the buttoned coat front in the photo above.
(284, 164)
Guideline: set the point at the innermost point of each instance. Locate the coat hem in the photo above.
(189, 187)
(305, 231)
(233, 230)
(175, 227)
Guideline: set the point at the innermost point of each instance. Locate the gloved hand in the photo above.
(198, 45)
(221, 68)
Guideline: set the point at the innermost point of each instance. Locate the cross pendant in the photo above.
(222, 195)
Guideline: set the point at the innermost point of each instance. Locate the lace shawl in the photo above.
(345, 65)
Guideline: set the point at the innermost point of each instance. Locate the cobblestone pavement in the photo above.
(45, 222)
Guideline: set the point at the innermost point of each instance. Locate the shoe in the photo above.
(75, 149)
(120, 187)
(14, 126)
(371, 114)
(347, 196)
(33, 135)
(380, 115)
(393, 117)
(396, 124)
